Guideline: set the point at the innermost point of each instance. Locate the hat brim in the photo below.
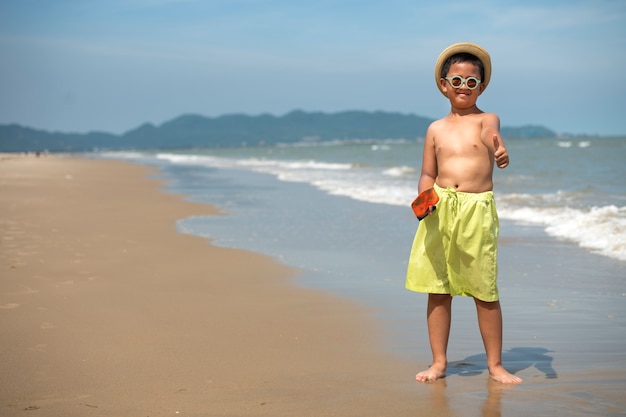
(464, 47)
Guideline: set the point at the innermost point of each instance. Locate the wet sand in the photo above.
(106, 309)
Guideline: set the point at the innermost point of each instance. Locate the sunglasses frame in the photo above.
(463, 82)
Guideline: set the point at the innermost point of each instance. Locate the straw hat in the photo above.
(463, 47)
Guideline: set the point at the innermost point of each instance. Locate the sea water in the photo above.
(575, 190)
(339, 211)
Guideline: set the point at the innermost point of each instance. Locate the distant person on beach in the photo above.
(455, 247)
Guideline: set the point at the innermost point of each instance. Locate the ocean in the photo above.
(574, 190)
(340, 213)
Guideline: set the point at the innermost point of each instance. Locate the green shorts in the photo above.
(455, 248)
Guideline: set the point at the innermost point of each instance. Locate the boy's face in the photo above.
(462, 96)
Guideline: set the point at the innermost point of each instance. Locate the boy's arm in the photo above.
(429, 162)
(491, 137)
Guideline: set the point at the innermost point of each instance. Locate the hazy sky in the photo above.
(81, 65)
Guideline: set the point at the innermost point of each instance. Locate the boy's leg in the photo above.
(490, 324)
(439, 315)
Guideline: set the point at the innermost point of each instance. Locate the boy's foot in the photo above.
(431, 374)
(502, 375)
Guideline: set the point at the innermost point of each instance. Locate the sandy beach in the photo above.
(106, 309)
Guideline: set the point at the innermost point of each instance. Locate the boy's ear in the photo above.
(444, 85)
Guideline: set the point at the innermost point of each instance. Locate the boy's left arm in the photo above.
(491, 136)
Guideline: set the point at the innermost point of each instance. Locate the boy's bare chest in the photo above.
(462, 143)
(459, 135)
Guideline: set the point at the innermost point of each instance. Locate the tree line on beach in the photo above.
(236, 130)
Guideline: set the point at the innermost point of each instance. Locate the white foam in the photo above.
(122, 154)
(599, 229)
(272, 165)
(401, 171)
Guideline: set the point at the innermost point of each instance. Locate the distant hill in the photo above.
(194, 131)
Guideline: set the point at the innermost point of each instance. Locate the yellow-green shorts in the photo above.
(455, 248)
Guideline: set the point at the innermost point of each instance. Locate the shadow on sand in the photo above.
(514, 360)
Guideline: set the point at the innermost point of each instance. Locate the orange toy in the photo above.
(424, 201)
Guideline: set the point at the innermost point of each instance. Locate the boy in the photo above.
(455, 247)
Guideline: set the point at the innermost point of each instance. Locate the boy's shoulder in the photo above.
(436, 126)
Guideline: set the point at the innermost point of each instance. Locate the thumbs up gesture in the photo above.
(500, 154)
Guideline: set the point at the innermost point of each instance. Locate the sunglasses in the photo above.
(457, 81)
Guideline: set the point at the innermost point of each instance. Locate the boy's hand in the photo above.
(501, 155)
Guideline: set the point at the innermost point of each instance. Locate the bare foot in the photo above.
(502, 375)
(431, 374)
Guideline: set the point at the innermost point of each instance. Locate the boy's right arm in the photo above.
(429, 162)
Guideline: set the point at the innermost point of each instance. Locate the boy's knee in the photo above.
(440, 298)
(489, 305)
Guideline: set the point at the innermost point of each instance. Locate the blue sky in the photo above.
(82, 65)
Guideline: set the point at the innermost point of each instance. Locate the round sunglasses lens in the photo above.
(456, 82)
(471, 83)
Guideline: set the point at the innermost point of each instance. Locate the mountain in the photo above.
(194, 131)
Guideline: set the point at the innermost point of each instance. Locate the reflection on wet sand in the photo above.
(491, 406)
